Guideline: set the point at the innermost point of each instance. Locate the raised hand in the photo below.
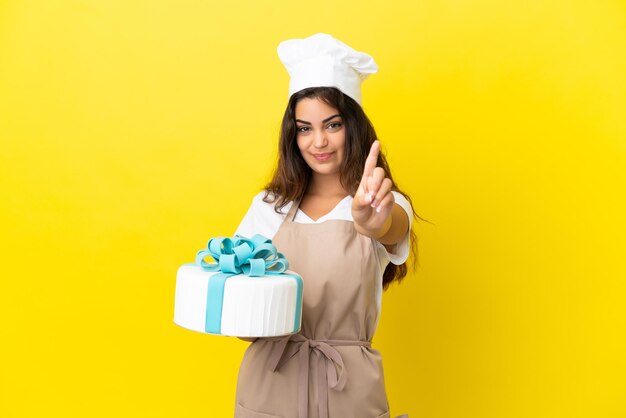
(373, 202)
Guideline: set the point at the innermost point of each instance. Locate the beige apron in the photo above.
(329, 369)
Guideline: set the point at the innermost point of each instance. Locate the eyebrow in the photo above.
(324, 121)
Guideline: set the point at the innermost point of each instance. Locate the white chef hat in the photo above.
(323, 61)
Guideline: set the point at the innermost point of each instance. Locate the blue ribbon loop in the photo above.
(254, 257)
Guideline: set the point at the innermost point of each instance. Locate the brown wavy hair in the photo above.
(292, 175)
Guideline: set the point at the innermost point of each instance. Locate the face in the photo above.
(320, 135)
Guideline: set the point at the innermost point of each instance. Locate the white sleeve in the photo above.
(400, 252)
(246, 226)
(260, 219)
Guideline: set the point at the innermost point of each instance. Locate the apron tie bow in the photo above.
(327, 377)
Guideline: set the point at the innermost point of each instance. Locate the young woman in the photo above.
(333, 209)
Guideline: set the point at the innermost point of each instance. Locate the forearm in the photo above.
(393, 229)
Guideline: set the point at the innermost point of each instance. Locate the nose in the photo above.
(320, 140)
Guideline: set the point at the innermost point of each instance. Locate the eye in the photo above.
(303, 129)
(334, 125)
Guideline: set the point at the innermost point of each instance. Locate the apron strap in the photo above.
(291, 215)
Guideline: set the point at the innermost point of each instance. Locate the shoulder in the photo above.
(261, 217)
(259, 203)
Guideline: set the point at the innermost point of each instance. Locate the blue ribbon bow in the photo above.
(255, 257)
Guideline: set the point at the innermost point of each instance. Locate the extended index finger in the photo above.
(372, 159)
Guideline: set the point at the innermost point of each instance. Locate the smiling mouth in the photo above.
(323, 157)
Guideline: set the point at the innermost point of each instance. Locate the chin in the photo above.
(325, 171)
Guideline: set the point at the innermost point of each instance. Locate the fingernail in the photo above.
(374, 204)
(378, 209)
(368, 197)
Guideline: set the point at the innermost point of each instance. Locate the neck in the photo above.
(326, 185)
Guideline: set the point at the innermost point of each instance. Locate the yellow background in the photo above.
(133, 131)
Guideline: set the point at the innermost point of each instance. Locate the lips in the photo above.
(323, 157)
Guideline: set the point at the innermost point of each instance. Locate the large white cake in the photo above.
(263, 306)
